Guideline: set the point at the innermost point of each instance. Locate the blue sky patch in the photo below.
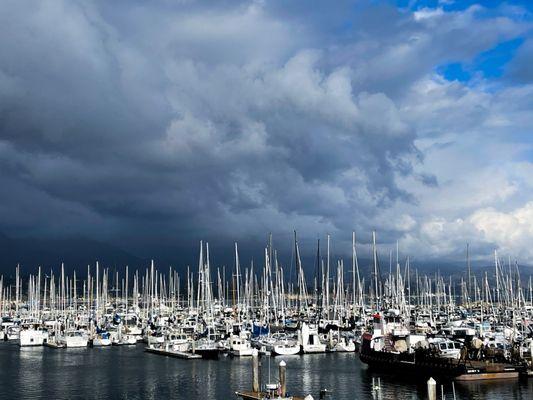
(454, 72)
(457, 5)
(490, 63)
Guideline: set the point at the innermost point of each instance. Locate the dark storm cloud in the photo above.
(131, 121)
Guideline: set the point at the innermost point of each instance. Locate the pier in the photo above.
(262, 396)
(173, 353)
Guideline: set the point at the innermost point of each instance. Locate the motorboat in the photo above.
(31, 336)
(73, 339)
(240, 345)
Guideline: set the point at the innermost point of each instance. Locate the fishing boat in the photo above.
(380, 351)
(240, 345)
(177, 342)
(207, 348)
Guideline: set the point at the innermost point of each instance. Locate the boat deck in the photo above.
(481, 370)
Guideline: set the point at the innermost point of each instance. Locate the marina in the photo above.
(266, 200)
(473, 329)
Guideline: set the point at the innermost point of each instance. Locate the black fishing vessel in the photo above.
(421, 364)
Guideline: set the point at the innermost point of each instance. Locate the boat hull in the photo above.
(245, 352)
(208, 354)
(285, 350)
(29, 338)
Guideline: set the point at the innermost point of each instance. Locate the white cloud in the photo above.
(510, 231)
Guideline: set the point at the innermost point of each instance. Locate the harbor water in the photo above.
(127, 372)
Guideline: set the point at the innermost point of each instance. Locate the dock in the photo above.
(172, 353)
(54, 345)
(271, 390)
(260, 396)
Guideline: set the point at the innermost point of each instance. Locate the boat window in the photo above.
(457, 345)
(450, 346)
(443, 346)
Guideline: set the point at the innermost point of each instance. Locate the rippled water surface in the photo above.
(130, 373)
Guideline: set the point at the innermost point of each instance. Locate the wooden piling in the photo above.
(283, 378)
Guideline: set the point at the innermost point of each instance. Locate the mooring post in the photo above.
(453, 388)
(283, 378)
(432, 389)
(255, 371)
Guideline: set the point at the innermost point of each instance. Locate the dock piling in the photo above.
(283, 378)
(453, 388)
(432, 389)
(255, 371)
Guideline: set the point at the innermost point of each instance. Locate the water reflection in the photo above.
(129, 373)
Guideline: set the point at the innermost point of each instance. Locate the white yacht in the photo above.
(32, 337)
(73, 338)
(344, 345)
(177, 342)
(279, 344)
(102, 339)
(12, 332)
(286, 347)
(310, 340)
(132, 326)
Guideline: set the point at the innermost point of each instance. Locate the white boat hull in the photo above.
(314, 348)
(244, 352)
(286, 350)
(74, 341)
(32, 337)
(344, 347)
(101, 342)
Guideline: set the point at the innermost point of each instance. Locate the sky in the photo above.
(152, 125)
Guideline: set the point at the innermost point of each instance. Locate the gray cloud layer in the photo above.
(148, 124)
